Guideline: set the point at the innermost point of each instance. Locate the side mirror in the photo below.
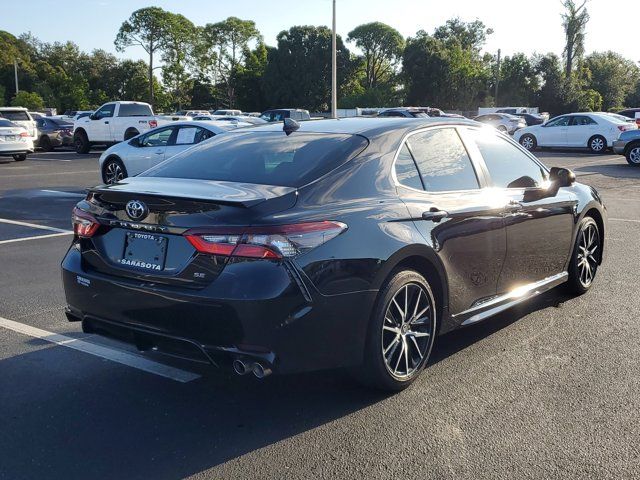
(94, 116)
(135, 142)
(562, 177)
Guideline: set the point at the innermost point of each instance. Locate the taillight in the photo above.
(271, 242)
(24, 134)
(84, 224)
(153, 123)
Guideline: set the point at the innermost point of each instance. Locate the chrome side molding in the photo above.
(508, 300)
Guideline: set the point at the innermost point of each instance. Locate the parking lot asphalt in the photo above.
(550, 389)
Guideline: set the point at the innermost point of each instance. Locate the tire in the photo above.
(597, 144)
(113, 170)
(529, 142)
(129, 134)
(45, 144)
(587, 248)
(633, 155)
(399, 344)
(81, 143)
(20, 157)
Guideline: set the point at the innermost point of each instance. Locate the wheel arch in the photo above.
(630, 145)
(80, 131)
(594, 213)
(130, 132)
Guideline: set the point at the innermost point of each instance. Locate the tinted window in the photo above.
(40, 122)
(7, 123)
(106, 111)
(443, 161)
(15, 116)
(203, 134)
(580, 121)
(406, 171)
(267, 158)
(134, 110)
(558, 122)
(508, 166)
(60, 122)
(159, 138)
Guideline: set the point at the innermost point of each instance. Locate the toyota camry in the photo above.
(332, 243)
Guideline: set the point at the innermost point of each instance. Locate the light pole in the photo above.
(334, 78)
(15, 73)
(495, 99)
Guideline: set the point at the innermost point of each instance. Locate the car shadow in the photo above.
(622, 170)
(70, 415)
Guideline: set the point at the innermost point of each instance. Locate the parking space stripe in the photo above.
(124, 358)
(34, 225)
(37, 237)
(624, 220)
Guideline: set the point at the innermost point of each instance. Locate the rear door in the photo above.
(539, 227)
(453, 212)
(581, 128)
(185, 137)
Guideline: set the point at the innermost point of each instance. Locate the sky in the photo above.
(527, 26)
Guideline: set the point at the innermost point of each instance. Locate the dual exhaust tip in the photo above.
(241, 367)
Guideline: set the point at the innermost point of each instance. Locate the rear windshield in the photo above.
(60, 122)
(134, 110)
(266, 158)
(7, 123)
(16, 115)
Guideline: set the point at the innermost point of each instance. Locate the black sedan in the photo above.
(333, 243)
(53, 132)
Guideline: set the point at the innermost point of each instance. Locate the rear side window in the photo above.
(406, 170)
(134, 110)
(265, 158)
(7, 124)
(18, 116)
(581, 121)
(508, 166)
(443, 161)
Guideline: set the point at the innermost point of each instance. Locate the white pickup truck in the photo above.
(115, 122)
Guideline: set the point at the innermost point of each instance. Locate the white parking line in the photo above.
(117, 356)
(34, 225)
(24, 239)
(624, 220)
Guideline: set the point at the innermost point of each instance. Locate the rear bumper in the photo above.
(258, 310)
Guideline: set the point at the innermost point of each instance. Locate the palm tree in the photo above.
(574, 21)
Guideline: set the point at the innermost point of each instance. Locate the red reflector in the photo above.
(211, 247)
(153, 123)
(254, 251)
(84, 224)
(24, 134)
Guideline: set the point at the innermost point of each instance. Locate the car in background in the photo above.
(503, 122)
(15, 140)
(403, 112)
(595, 131)
(436, 112)
(54, 132)
(194, 113)
(279, 114)
(37, 115)
(20, 116)
(632, 113)
(224, 112)
(628, 144)
(532, 118)
(328, 244)
(231, 118)
(73, 115)
(126, 159)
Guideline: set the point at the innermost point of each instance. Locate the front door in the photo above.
(539, 228)
(101, 123)
(554, 132)
(150, 152)
(457, 217)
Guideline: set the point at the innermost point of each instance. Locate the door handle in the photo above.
(513, 206)
(159, 152)
(434, 214)
(106, 121)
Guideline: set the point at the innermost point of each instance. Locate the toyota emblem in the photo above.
(136, 210)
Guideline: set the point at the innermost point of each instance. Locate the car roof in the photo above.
(366, 126)
(18, 109)
(204, 123)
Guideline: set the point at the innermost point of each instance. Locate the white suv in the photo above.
(20, 116)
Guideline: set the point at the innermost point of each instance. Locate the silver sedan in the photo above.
(503, 122)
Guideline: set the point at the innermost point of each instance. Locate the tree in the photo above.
(381, 47)
(613, 76)
(250, 91)
(574, 21)
(298, 72)
(177, 55)
(222, 51)
(28, 100)
(469, 36)
(145, 28)
(518, 80)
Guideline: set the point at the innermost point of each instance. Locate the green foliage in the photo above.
(298, 72)
(613, 76)
(518, 81)
(574, 21)
(28, 100)
(177, 54)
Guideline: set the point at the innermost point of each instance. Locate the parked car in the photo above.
(15, 140)
(54, 132)
(262, 250)
(436, 112)
(278, 115)
(407, 112)
(232, 118)
(595, 131)
(143, 151)
(503, 122)
(113, 122)
(224, 112)
(628, 144)
(532, 118)
(195, 113)
(631, 113)
(73, 115)
(36, 115)
(20, 116)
